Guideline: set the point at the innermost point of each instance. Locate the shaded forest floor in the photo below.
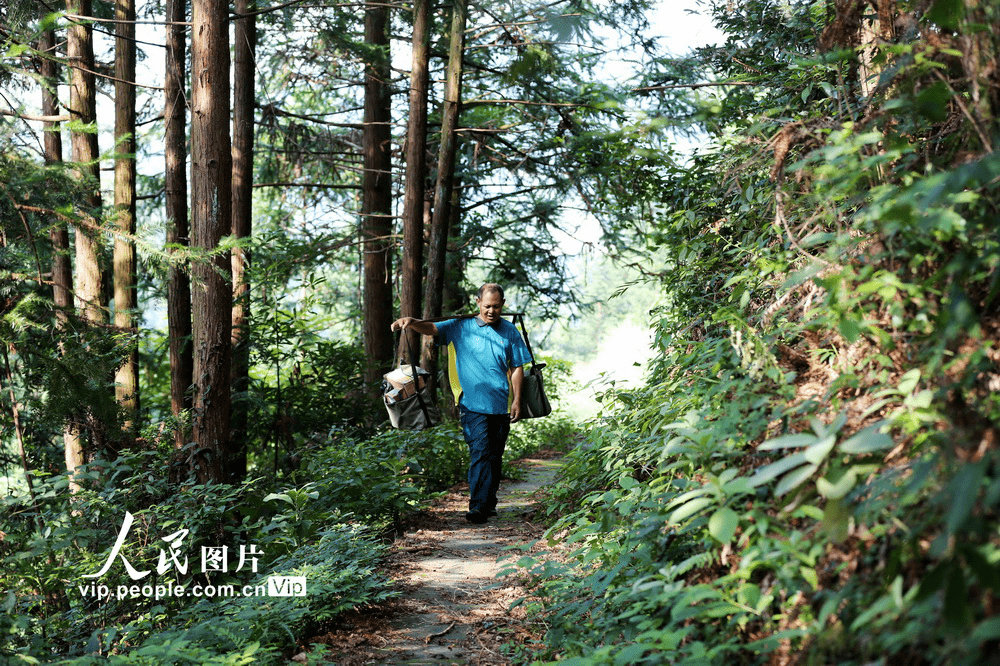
(451, 608)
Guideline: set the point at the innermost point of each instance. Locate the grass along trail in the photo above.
(451, 609)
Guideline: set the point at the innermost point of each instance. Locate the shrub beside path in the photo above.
(452, 609)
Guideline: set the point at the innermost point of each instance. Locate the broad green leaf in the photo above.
(727, 475)
(794, 479)
(818, 238)
(947, 13)
(897, 592)
(932, 581)
(739, 485)
(883, 605)
(748, 595)
(838, 422)
(850, 329)
(839, 489)
(874, 407)
(962, 494)
(810, 576)
(987, 573)
(630, 654)
(683, 498)
(787, 442)
(987, 630)
(818, 452)
(920, 400)
(956, 600)
(909, 381)
(691, 508)
(829, 606)
(932, 101)
(777, 468)
(282, 496)
(809, 511)
(868, 440)
(723, 523)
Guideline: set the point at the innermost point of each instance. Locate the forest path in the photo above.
(452, 608)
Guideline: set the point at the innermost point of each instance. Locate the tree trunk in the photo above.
(178, 282)
(875, 31)
(242, 228)
(211, 205)
(62, 268)
(83, 109)
(453, 297)
(376, 203)
(15, 412)
(125, 277)
(416, 169)
(979, 50)
(444, 191)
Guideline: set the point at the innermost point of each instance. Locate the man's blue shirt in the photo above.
(483, 355)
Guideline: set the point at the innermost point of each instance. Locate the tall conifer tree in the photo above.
(242, 228)
(211, 204)
(175, 151)
(376, 207)
(125, 274)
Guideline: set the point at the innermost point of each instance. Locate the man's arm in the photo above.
(422, 327)
(516, 382)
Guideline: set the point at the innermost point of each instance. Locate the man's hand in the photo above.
(401, 323)
(420, 326)
(516, 382)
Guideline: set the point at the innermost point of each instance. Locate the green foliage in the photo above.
(555, 432)
(315, 529)
(49, 609)
(339, 571)
(303, 382)
(379, 479)
(811, 468)
(59, 370)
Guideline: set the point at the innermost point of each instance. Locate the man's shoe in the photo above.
(476, 517)
(491, 513)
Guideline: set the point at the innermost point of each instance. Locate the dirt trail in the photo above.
(452, 609)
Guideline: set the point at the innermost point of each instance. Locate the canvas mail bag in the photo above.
(412, 409)
(534, 402)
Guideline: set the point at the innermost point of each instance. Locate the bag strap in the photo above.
(519, 318)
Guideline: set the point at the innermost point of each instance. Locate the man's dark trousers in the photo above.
(486, 435)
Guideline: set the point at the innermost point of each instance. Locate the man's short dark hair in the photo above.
(487, 288)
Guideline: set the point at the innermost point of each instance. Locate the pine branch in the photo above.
(32, 116)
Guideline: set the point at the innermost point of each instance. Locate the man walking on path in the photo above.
(487, 349)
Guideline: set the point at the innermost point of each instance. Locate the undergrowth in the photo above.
(68, 596)
(811, 474)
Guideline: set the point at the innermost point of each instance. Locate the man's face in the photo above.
(490, 307)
